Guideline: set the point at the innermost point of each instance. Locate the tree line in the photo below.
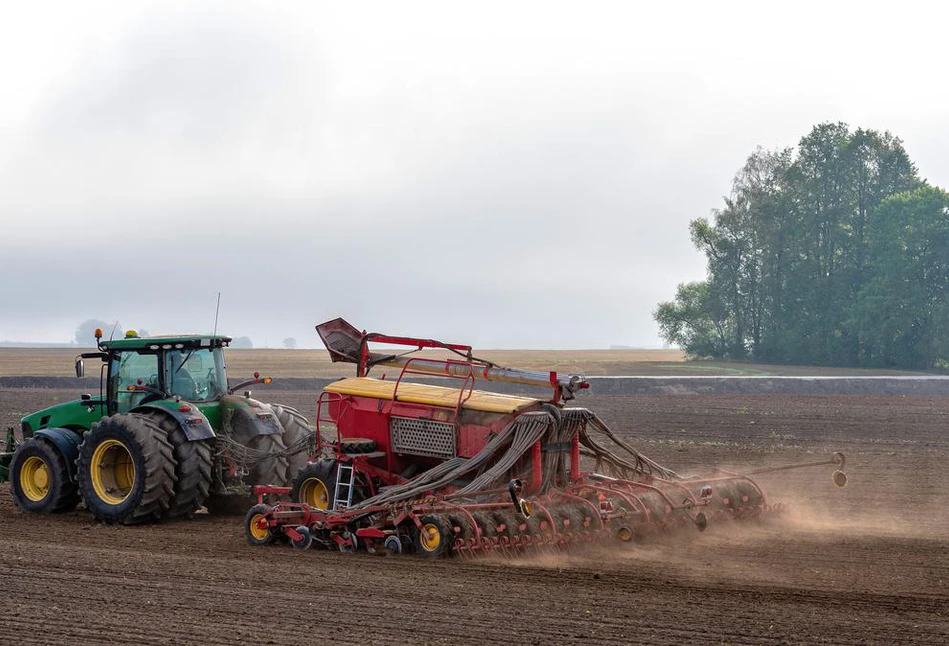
(833, 253)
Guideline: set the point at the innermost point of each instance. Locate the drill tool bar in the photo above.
(347, 344)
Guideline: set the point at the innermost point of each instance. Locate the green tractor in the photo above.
(165, 437)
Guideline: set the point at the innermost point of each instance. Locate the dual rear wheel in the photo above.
(127, 470)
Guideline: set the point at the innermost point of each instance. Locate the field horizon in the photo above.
(311, 363)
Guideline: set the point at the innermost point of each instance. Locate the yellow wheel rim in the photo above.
(314, 493)
(430, 537)
(34, 478)
(258, 527)
(113, 472)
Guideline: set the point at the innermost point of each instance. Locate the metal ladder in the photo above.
(345, 482)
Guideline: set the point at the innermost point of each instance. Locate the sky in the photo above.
(506, 175)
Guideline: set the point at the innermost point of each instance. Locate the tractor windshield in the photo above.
(132, 369)
(195, 375)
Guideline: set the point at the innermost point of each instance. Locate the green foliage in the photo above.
(690, 321)
(835, 253)
(903, 310)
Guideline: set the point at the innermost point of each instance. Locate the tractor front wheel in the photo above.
(126, 469)
(39, 479)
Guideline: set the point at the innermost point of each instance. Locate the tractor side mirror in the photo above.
(80, 368)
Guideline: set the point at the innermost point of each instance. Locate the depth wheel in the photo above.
(315, 484)
(39, 479)
(297, 436)
(434, 538)
(126, 469)
(306, 539)
(255, 526)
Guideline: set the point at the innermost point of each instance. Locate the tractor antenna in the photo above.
(216, 311)
(114, 328)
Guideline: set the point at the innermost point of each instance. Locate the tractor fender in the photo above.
(66, 442)
(244, 418)
(191, 420)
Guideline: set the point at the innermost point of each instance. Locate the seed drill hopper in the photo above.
(408, 465)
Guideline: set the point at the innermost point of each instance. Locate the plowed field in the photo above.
(865, 564)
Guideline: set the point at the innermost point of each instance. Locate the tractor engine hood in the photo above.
(73, 414)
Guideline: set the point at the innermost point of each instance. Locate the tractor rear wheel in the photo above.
(39, 479)
(297, 435)
(126, 469)
(315, 484)
(192, 468)
(272, 467)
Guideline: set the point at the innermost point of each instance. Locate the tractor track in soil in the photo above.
(865, 564)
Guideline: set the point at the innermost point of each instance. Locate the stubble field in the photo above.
(864, 564)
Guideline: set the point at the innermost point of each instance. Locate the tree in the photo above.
(791, 255)
(85, 331)
(903, 310)
(242, 343)
(290, 343)
(693, 322)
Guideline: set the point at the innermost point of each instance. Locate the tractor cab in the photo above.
(137, 369)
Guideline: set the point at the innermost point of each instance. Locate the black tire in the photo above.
(435, 538)
(486, 524)
(192, 468)
(297, 435)
(315, 484)
(306, 538)
(272, 469)
(511, 522)
(39, 479)
(356, 445)
(463, 523)
(255, 535)
(133, 479)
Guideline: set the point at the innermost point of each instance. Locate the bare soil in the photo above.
(868, 564)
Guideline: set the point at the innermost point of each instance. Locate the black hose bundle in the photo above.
(517, 437)
(494, 463)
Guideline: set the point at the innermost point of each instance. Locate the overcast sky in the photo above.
(501, 174)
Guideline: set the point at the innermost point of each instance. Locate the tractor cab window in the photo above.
(195, 375)
(132, 369)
